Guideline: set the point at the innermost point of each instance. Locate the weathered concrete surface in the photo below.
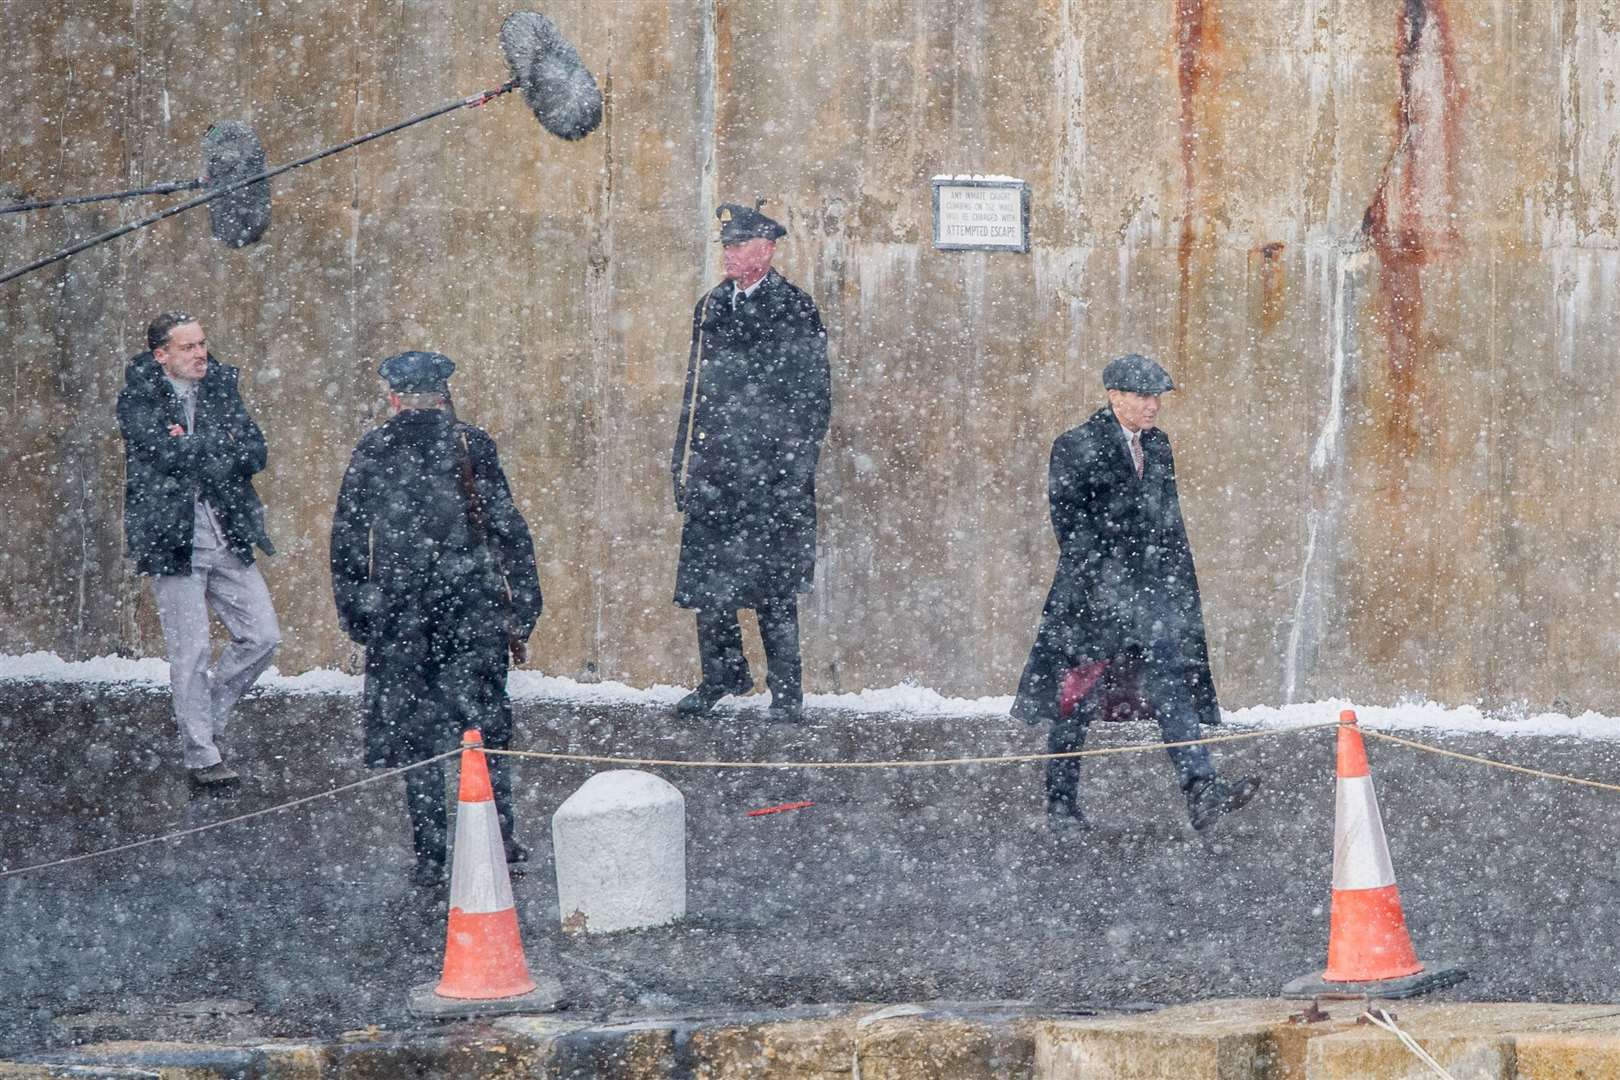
(1214, 1040)
(1220, 1040)
(1490, 1041)
(1376, 240)
(1378, 1055)
(895, 886)
(1567, 1055)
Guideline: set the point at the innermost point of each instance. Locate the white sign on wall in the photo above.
(981, 213)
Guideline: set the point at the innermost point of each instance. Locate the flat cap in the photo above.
(742, 223)
(417, 372)
(1136, 374)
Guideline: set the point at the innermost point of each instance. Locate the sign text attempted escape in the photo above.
(981, 213)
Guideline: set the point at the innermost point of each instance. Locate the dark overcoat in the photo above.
(1125, 574)
(164, 474)
(434, 608)
(746, 477)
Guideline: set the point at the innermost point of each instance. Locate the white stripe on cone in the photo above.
(1360, 853)
(479, 883)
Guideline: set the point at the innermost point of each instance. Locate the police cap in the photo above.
(739, 224)
(1136, 374)
(417, 372)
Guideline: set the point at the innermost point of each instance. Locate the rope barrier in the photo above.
(229, 821)
(673, 763)
(1381, 1018)
(902, 763)
(896, 763)
(1441, 751)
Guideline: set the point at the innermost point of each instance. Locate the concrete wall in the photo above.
(1373, 239)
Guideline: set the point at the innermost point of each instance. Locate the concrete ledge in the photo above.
(910, 1042)
(811, 1047)
(1247, 1039)
(1214, 1040)
(1568, 1056)
(1371, 1054)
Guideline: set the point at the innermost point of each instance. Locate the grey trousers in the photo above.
(234, 591)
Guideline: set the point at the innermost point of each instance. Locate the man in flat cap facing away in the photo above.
(1123, 623)
(191, 521)
(753, 416)
(433, 572)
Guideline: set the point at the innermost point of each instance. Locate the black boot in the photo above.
(703, 700)
(430, 874)
(1064, 815)
(1209, 798)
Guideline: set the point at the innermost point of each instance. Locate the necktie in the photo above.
(1136, 452)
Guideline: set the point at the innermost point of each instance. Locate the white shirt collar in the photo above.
(739, 291)
(182, 387)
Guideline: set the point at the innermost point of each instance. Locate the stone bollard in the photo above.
(620, 847)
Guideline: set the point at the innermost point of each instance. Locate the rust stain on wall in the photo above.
(1273, 284)
(1411, 219)
(1197, 42)
(1410, 223)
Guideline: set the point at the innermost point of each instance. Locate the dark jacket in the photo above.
(1125, 572)
(163, 473)
(433, 607)
(764, 396)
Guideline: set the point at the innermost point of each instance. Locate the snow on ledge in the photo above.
(906, 699)
(957, 178)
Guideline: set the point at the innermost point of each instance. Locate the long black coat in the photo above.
(163, 473)
(764, 395)
(1123, 563)
(429, 603)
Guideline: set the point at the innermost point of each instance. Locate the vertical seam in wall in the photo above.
(128, 591)
(1496, 489)
(354, 193)
(603, 341)
(708, 109)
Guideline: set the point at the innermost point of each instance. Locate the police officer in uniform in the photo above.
(433, 572)
(753, 416)
(1123, 620)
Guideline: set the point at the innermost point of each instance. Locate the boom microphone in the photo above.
(556, 85)
(231, 152)
(224, 146)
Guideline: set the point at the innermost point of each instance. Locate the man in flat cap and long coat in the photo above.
(433, 572)
(753, 416)
(1123, 626)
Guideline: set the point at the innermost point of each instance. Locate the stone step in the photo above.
(1244, 1039)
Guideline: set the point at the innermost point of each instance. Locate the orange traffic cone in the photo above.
(1369, 949)
(484, 968)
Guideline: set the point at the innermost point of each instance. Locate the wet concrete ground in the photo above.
(913, 885)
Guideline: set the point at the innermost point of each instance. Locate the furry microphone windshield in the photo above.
(232, 152)
(555, 82)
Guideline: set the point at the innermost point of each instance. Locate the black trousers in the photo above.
(720, 647)
(1164, 689)
(424, 800)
